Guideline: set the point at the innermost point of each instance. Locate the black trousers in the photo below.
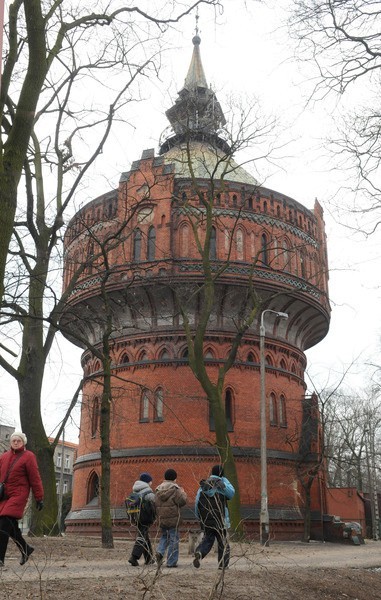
(9, 527)
(142, 544)
(206, 544)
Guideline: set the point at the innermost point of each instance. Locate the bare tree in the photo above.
(51, 55)
(342, 39)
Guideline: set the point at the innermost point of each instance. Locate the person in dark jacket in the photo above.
(142, 544)
(169, 499)
(212, 511)
(18, 466)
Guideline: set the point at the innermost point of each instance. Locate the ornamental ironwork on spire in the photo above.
(196, 114)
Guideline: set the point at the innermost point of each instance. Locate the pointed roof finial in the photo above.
(196, 76)
(197, 18)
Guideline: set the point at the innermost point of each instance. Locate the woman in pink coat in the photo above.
(18, 467)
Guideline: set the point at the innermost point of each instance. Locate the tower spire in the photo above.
(196, 114)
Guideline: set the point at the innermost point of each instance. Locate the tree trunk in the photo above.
(44, 522)
(227, 459)
(106, 523)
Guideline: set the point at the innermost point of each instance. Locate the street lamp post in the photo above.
(264, 520)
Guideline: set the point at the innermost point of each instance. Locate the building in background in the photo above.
(160, 414)
(5, 435)
(65, 455)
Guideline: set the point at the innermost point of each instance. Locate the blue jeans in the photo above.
(169, 539)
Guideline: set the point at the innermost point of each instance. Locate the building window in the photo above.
(159, 405)
(151, 243)
(282, 411)
(228, 400)
(93, 487)
(67, 461)
(251, 357)
(65, 487)
(239, 244)
(124, 360)
(95, 418)
(213, 248)
(184, 241)
(264, 250)
(272, 409)
(59, 459)
(137, 245)
(144, 406)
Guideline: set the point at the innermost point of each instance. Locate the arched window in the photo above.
(251, 357)
(278, 211)
(164, 354)
(208, 354)
(143, 356)
(272, 409)
(250, 202)
(303, 264)
(184, 241)
(124, 359)
(159, 404)
(265, 207)
(213, 245)
(93, 488)
(151, 243)
(264, 250)
(239, 244)
(144, 406)
(185, 353)
(269, 361)
(283, 365)
(234, 200)
(286, 255)
(229, 409)
(95, 418)
(282, 411)
(137, 245)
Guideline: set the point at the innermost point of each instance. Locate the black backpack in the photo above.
(140, 509)
(211, 508)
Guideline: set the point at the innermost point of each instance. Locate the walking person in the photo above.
(169, 499)
(212, 511)
(144, 499)
(19, 472)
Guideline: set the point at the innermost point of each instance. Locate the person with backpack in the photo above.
(211, 509)
(169, 499)
(140, 507)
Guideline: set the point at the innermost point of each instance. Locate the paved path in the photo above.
(44, 566)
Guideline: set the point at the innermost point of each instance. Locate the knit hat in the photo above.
(20, 435)
(146, 477)
(170, 475)
(218, 470)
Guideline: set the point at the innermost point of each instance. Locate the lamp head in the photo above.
(282, 315)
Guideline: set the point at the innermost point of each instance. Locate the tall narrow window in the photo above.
(144, 406)
(229, 409)
(95, 418)
(264, 250)
(272, 409)
(286, 256)
(282, 411)
(213, 245)
(93, 488)
(184, 241)
(239, 244)
(137, 245)
(159, 405)
(151, 243)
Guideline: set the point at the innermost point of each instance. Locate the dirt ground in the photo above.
(78, 568)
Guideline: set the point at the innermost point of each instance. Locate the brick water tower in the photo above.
(134, 249)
